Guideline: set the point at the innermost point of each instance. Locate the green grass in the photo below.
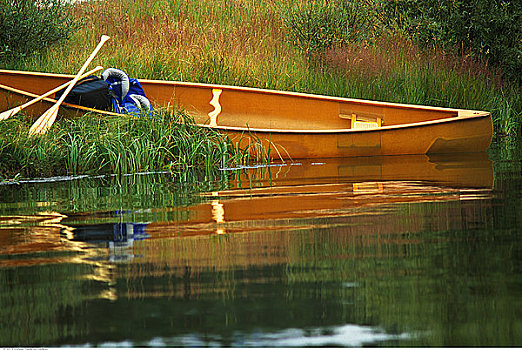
(92, 144)
(278, 45)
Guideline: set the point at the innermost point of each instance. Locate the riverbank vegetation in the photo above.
(91, 144)
(441, 53)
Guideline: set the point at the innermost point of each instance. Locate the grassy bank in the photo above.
(92, 145)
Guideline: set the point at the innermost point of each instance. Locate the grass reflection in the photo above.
(431, 254)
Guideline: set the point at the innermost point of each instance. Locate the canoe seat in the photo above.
(359, 122)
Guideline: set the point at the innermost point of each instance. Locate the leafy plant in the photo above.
(28, 26)
(482, 28)
(318, 25)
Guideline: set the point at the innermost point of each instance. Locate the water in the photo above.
(391, 251)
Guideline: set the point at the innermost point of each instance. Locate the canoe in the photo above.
(292, 125)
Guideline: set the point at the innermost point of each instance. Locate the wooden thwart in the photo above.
(362, 122)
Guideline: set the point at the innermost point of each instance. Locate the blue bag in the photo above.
(127, 94)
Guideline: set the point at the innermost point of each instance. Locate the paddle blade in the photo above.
(44, 122)
(10, 113)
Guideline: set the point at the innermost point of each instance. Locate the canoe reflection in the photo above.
(352, 194)
(115, 236)
(458, 170)
(277, 197)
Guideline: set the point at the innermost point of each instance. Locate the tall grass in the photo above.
(296, 45)
(111, 144)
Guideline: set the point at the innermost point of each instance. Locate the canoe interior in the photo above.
(270, 110)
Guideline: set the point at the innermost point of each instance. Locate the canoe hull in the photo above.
(289, 125)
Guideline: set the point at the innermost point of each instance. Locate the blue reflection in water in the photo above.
(119, 238)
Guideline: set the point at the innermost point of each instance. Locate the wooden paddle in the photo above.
(13, 111)
(47, 119)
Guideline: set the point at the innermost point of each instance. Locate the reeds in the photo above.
(249, 43)
(93, 144)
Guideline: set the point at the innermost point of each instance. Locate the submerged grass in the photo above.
(94, 144)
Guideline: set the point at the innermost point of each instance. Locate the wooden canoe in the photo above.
(293, 125)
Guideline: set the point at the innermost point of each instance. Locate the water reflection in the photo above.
(352, 195)
(409, 250)
(333, 188)
(344, 336)
(460, 170)
(291, 196)
(119, 238)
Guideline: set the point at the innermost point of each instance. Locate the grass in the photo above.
(251, 43)
(114, 144)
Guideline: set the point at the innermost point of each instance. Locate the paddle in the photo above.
(47, 119)
(13, 111)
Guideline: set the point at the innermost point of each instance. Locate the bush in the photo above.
(317, 25)
(28, 26)
(489, 29)
(485, 29)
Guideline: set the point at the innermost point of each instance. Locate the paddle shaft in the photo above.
(15, 110)
(47, 119)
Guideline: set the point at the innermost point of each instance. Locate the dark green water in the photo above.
(400, 251)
